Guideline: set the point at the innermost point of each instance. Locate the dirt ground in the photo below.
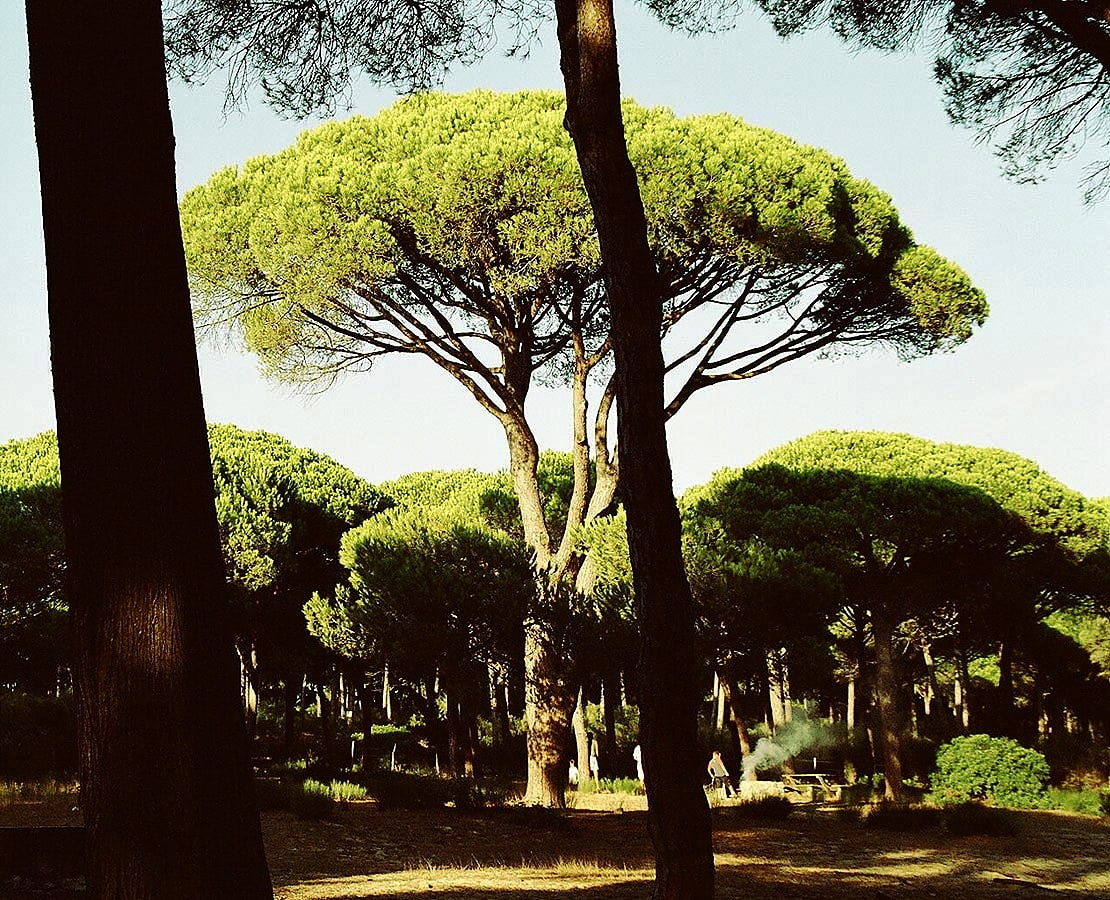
(600, 851)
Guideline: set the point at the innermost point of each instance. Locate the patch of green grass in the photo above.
(1088, 802)
(312, 800)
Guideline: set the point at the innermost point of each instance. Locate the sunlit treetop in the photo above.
(457, 227)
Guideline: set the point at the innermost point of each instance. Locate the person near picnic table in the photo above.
(719, 774)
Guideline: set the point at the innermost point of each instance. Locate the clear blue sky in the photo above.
(1034, 380)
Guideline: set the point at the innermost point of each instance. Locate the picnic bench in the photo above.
(804, 787)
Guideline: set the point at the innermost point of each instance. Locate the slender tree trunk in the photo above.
(166, 783)
(455, 737)
(581, 739)
(962, 698)
(289, 731)
(732, 695)
(611, 698)
(678, 815)
(850, 718)
(890, 707)
(1005, 713)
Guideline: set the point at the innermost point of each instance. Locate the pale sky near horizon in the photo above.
(1034, 380)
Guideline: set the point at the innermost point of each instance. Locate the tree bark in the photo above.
(678, 815)
(581, 739)
(890, 708)
(165, 775)
(549, 707)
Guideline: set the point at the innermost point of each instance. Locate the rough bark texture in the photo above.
(890, 709)
(678, 814)
(550, 705)
(166, 789)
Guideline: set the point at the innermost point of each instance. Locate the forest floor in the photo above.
(600, 851)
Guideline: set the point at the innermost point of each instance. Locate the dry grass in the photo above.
(604, 854)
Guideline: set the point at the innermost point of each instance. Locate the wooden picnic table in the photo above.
(805, 785)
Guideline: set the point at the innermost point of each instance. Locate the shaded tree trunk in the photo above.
(289, 693)
(890, 707)
(581, 739)
(678, 815)
(165, 775)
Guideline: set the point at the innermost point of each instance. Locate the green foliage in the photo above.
(1087, 802)
(32, 564)
(610, 786)
(1019, 485)
(410, 790)
(992, 769)
(344, 792)
(312, 799)
(1104, 802)
(430, 590)
(475, 204)
(966, 819)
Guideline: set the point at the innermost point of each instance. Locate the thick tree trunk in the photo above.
(549, 705)
(890, 707)
(679, 817)
(166, 783)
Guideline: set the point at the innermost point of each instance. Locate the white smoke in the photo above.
(800, 733)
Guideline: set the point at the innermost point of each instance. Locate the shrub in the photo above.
(343, 792)
(975, 818)
(764, 808)
(312, 800)
(899, 816)
(1086, 802)
(271, 793)
(1104, 802)
(998, 770)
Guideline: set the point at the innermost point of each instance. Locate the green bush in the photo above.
(344, 792)
(995, 770)
(899, 816)
(1104, 802)
(975, 818)
(312, 800)
(1077, 801)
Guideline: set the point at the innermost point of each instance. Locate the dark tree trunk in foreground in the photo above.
(165, 777)
(678, 813)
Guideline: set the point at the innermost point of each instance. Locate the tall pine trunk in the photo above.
(678, 815)
(165, 777)
(887, 696)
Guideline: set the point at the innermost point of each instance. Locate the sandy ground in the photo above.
(600, 851)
